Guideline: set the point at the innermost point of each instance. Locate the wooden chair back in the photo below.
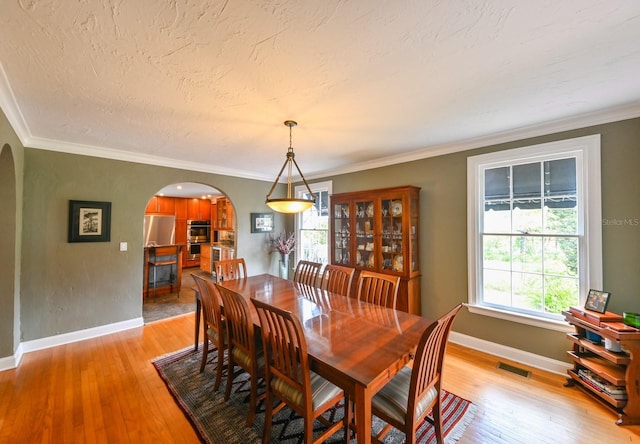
(213, 323)
(307, 273)
(426, 375)
(210, 299)
(288, 375)
(337, 279)
(378, 288)
(230, 269)
(243, 349)
(427, 368)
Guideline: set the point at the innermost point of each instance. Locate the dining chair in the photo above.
(406, 399)
(378, 288)
(307, 272)
(244, 345)
(214, 325)
(337, 279)
(229, 269)
(289, 378)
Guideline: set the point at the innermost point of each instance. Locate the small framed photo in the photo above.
(597, 301)
(261, 222)
(89, 221)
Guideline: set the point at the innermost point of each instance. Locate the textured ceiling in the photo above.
(207, 84)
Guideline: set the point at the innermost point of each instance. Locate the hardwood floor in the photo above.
(105, 390)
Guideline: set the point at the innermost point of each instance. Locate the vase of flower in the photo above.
(284, 266)
(283, 244)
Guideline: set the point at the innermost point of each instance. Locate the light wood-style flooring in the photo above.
(105, 390)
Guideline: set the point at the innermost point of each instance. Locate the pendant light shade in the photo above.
(290, 204)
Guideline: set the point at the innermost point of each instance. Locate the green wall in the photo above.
(73, 286)
(443, 245)
(68, 287)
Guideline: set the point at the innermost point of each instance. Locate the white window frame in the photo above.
(299, 191)
(588, 182)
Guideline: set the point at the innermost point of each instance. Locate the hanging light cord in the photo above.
(290, 159)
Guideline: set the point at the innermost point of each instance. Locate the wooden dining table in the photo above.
(356, 345)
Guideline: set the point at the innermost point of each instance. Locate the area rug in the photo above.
(217, 421)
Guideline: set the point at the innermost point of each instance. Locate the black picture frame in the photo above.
(597, 301)
(89, 221)
(261, 222)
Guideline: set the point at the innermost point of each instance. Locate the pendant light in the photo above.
(290, 204)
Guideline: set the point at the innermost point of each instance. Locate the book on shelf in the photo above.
(619, 326)
(599, 384)
(594, 318)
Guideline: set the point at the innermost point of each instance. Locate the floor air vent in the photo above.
(518, 371)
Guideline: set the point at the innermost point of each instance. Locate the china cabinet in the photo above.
(378, 230)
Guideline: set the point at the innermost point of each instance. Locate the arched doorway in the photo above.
(9, 318)
(198, 219)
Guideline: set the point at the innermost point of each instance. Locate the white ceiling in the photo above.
(207, 85)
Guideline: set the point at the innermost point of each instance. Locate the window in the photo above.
(534, 232)
(312, 226)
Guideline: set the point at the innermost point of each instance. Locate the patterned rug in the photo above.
(217, 421)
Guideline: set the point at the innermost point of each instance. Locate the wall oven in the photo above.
(198, 233)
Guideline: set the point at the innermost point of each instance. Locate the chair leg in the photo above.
(253, 400)
(348, 416)
(230, 376)
(437, 422)
(205, 353)
(219, 369)
(268, 417)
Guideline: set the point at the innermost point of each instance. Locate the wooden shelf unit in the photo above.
(618, 369)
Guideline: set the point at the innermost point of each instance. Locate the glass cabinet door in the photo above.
(413, 234)
(366, 250)
(341, 234)
(393, 245)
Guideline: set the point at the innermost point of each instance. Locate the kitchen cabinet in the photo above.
(181, 208)
(214, 253)
(378, 230)
(206, 264)
(224, 214)
(611, 377)
(199, 209)
(161, 205)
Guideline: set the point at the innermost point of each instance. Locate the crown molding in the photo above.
(616, 114)
(9, 106)
(11, 109)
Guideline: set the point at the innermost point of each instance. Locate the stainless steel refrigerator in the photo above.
(159, 230)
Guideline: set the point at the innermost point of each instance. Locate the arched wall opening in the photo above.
(194, 221)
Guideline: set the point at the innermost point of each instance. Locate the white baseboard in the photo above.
(513, 354)
(510, 353)
(66, 338)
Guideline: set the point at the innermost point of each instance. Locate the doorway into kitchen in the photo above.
(183, 223)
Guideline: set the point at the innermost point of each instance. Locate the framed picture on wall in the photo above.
(597, 301)
(261, 222)
(89, 221)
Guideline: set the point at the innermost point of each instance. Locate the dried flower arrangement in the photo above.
(283, 243)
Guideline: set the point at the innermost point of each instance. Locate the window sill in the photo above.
(549, 324)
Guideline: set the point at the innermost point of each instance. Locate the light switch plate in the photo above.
(123, 246)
